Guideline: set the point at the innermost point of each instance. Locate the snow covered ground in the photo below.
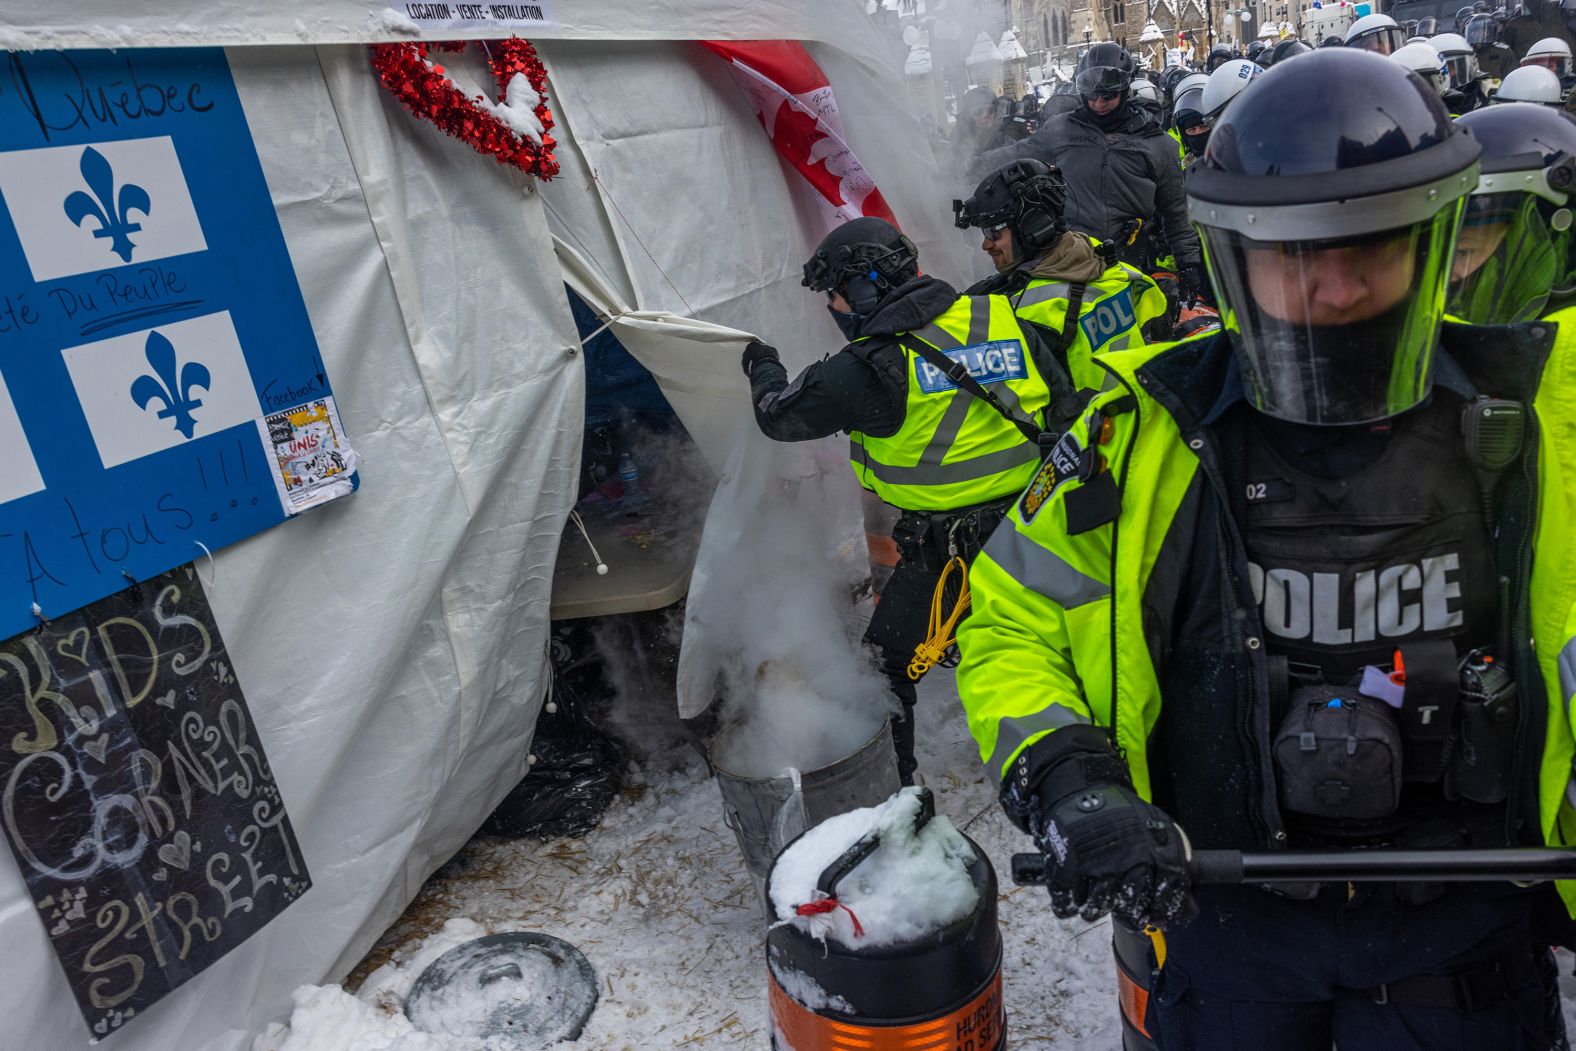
(659, 901)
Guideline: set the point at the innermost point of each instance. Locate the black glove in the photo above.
(1194, 283)
(756, 352)
(1106, 850)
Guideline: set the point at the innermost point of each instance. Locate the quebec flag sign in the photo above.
(161, 391)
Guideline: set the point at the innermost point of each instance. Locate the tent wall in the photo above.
(673, 205)
(391, 644)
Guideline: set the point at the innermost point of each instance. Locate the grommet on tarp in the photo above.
(524, 990)
(43, 621)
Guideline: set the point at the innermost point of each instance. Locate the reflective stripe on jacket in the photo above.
(953, 450)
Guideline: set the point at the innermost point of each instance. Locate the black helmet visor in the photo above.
(1102, 82)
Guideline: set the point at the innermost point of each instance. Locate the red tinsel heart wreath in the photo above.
(424, 89)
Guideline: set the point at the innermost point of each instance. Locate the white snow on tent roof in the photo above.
(918, 61)
(1011, 50)
(984, 52)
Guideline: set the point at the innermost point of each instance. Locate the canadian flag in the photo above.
(796, 106)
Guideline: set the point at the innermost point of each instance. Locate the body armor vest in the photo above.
(1345, 570)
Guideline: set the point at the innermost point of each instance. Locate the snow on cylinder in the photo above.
(886, 935)
(914, 884)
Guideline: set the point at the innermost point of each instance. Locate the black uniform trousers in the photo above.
(1256, 970)
(902, 617)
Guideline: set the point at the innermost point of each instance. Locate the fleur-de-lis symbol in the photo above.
(173, 393)
(112, 211)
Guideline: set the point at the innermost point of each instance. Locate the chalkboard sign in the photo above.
(136, 796)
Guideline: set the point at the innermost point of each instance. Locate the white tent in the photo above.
(434, 281)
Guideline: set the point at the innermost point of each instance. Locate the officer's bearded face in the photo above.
(1331, 286)
(999, 248)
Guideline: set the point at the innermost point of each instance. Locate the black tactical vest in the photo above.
(1345, 570)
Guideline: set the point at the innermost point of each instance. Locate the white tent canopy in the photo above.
(187, 23)
(434, 281)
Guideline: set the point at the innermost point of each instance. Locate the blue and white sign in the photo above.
(1109, 318)
(994, 362)
(152, 331)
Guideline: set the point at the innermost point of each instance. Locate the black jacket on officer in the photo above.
(1118, 168)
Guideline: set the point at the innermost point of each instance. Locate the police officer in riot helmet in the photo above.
(917, 353)
(1291, 47)
(1378, 33)
(1517, 245)
(1495, 59)
(1124, 182)
(1308, 539)
(1218, 55)
(1536, 20)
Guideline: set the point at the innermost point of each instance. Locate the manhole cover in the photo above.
(532, 988)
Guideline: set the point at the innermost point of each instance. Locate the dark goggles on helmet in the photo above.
(1106, 82)
(966, 214)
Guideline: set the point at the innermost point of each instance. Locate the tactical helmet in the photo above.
(1191, 81)
(1552, 53)
(1329, 250)
(1226, 83)
(1170, 77)
(1533, 84)
(1144, 88)
(1460, 59)
(1481, 31)
(1516, 244)
(1291, 47)
(1375, 33)
(862, 260)
(1027, 197)
(1423, 60)
(1254, 49)
(1218, 56)
(1105, 69)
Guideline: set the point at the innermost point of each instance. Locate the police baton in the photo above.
(1517, 864)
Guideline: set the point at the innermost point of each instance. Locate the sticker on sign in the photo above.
(447, 15)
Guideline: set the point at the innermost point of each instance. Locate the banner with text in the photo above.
(137, 797)
(151, 328)
(508, 18)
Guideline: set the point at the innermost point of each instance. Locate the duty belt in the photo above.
(929, 539)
